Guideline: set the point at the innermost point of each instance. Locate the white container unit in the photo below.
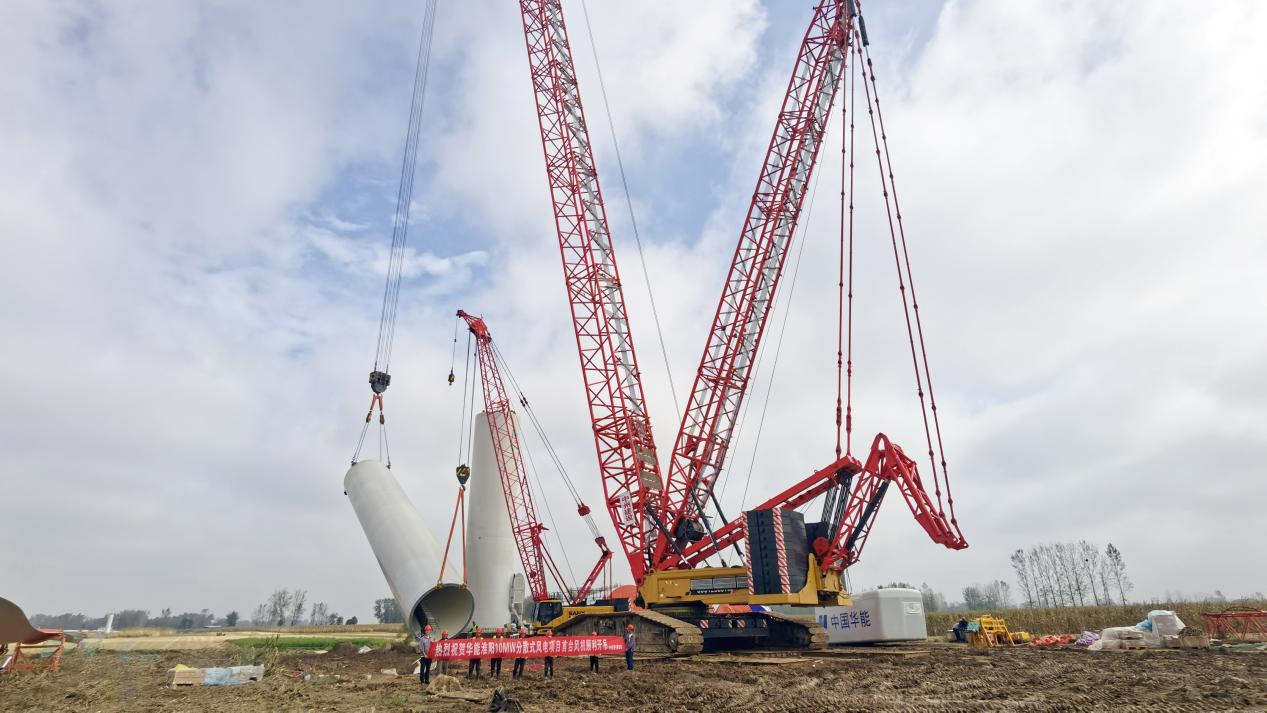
(490, 547)
(877, 616)
(407, 552)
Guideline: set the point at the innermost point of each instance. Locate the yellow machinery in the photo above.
(991, 631)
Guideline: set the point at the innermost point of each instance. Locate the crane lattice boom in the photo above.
(627, 461)
(753, 279)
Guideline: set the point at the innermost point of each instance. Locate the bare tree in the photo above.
(1042, 586)
(1117, 571)
(279, 607)
(1090, 566)
(320, 612)
(933, 601)
(298, 600)
(1075, 571)
(1021, 567)
(261, 616)
(1105, 576)
(1003, 594)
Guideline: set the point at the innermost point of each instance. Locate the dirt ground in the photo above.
(946, 678)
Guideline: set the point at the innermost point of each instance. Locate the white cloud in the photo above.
(187, 341)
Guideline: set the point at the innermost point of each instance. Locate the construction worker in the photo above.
(517, 671)
(631, 641)
(444, 665)
(594, 659)
(473, 664)
(495, 665)
(549, 660)
(424, 650)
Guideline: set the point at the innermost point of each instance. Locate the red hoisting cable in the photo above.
(910, 279)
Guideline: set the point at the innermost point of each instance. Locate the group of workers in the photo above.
(473, 666)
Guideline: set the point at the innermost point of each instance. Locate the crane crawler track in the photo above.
(795, 632)
(657, 633)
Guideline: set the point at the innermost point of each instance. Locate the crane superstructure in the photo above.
(661, 524)
(526, 527)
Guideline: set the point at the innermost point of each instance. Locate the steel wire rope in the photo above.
(541, 492)
(404, 197)
(536, 424)
(400, 229)
(633, 221)
(787, 307)
(910, 279)
(898, 255)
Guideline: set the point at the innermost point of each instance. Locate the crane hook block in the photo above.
(451, 377)
(379, 381)
(463, 473)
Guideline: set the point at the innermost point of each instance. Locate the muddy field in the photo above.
(944, 678)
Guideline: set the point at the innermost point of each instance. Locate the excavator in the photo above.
(663, 524)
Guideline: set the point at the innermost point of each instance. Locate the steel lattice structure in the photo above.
(659, 524)
(627, 459)
(525, 526)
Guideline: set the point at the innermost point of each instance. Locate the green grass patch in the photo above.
(307, 643)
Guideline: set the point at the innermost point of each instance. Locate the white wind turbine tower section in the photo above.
(490, 545)
(407, 552)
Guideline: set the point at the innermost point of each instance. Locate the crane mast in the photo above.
(628, 465)
(525, 526)
(725, 368)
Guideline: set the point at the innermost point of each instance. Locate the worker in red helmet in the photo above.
(424, 653)
(594, 658)
(549, 660)
(631, 641)
(518, 670)
(495, 664)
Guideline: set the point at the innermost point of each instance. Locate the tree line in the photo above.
(284, 607)
(1060, 574)
(135, 619)
(1067, 574)
(290, 608)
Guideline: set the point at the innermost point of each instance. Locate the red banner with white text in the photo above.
(530, 648)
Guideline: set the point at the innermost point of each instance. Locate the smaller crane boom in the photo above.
(525, 526)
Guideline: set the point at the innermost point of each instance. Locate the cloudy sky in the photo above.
(195, 203)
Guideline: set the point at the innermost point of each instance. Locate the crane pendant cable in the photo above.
(380, 377)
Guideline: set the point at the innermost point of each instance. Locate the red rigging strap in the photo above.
(722, 378)
(627, 460)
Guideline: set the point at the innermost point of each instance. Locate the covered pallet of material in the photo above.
(217, 676)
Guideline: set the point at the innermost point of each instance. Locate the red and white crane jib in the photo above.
(524, 524)
(748, 293)
(628, 465)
